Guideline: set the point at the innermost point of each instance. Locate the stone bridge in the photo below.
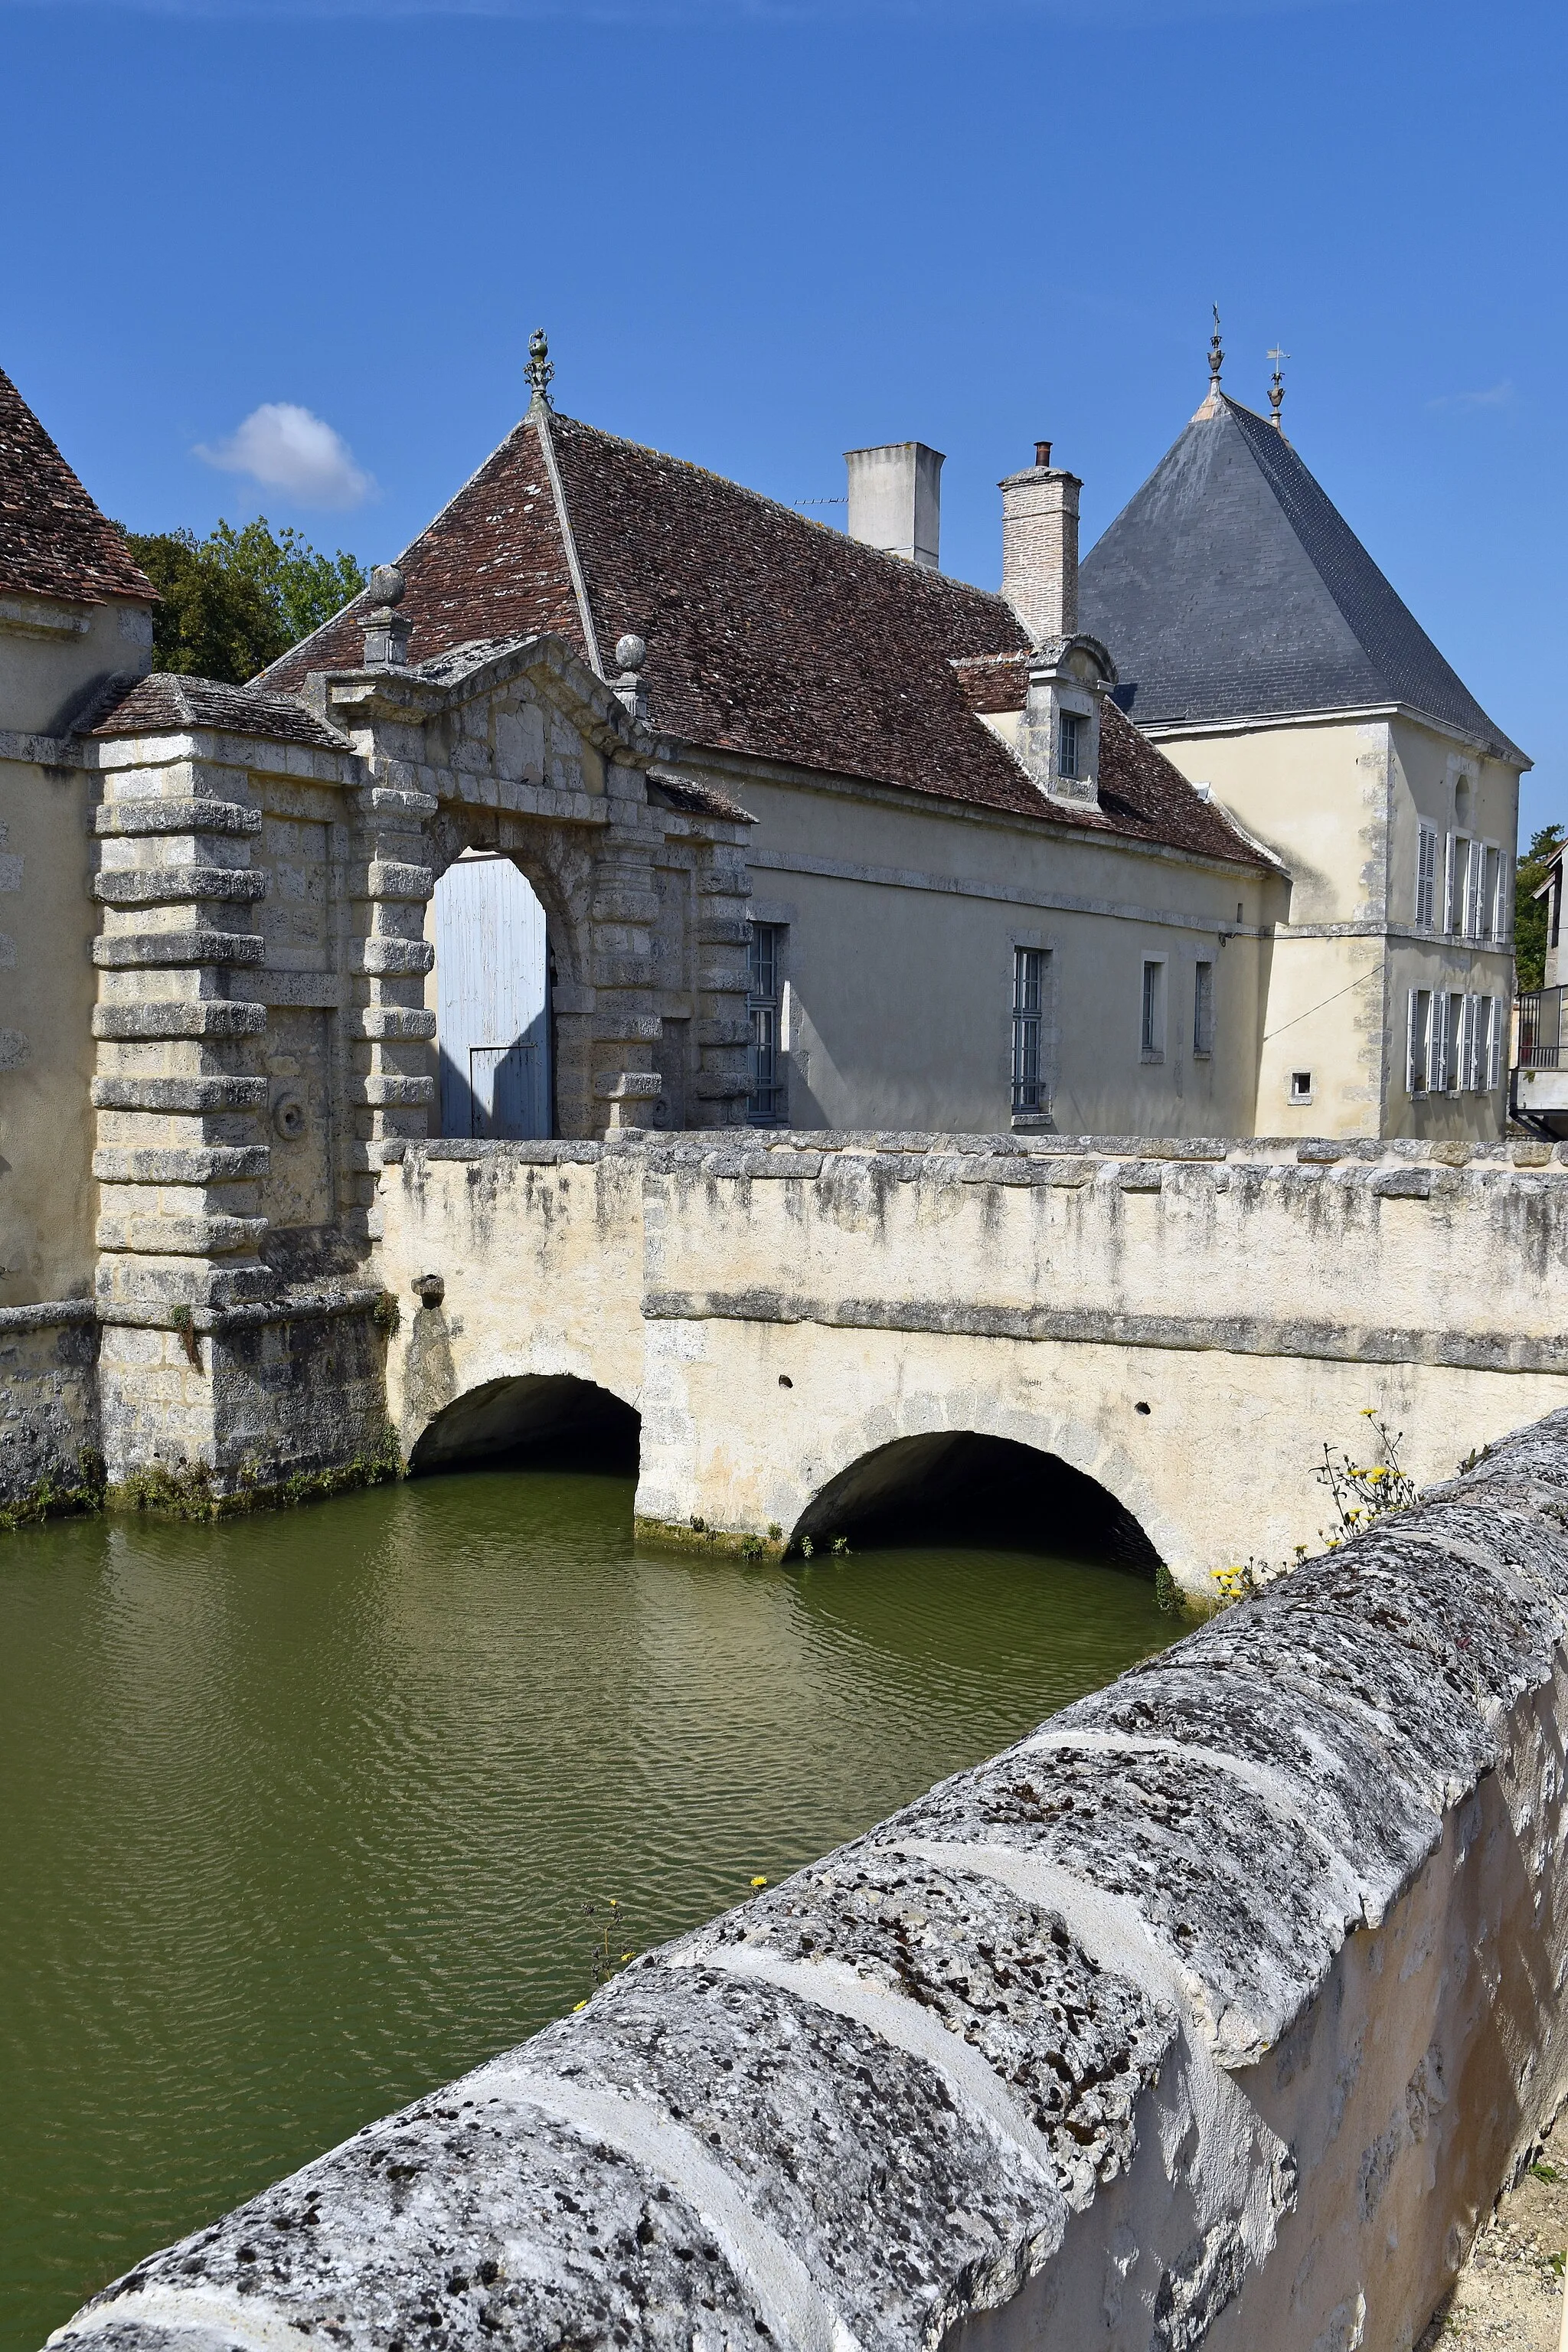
(812, 1326)
(1214, 2013)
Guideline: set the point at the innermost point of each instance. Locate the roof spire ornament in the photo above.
(1277, 388)
(540, 369)
(1216, 357)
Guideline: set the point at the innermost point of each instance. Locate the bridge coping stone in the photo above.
(741, 1151)
(1079, 1983)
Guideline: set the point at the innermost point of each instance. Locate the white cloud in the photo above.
(1501, 395)
(284, 447)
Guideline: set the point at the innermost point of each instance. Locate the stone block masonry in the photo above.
(1185, 1323)
(48, 1401)
(1214, 2013)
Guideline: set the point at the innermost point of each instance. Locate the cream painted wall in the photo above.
(902, 921)
(53, 657)
(47, 988)
(1341, 802)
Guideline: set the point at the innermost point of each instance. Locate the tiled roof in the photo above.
(1231, 587)
(166, 705)
(767, 634)
(1140, 791)
(53, 540)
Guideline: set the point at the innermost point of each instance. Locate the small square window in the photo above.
(1300, 1086)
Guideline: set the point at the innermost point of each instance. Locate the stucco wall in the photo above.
(778, 1313)
(1341, 801)
(902, 924)
(46, 1054)
(1215, 2012)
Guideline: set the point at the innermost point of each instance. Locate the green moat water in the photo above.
(301, 1811)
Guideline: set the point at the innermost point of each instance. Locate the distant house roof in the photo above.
(767, 634)
(53, 540)
(164, 704)
(1231, 587)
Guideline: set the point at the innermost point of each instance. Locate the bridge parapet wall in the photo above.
(1213, 2013)
(1186, 1323)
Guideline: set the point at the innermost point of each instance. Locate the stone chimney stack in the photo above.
(1039, 546)
(895, 500)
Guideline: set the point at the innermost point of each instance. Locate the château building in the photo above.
(630, 797)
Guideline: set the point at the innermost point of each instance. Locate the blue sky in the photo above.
(311, 237)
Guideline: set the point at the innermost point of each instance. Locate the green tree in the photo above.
(233, 601)
(1529, 911)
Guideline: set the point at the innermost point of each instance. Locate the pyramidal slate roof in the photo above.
(767, 634)
(1231, 587)
(53, 540)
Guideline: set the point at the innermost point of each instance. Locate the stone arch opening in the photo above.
(557, 869)
(963, 1487)
(533, 1417)
(495, 1063)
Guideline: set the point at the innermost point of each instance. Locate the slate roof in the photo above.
(768, 634)
(164, 704)
(53, 540)
(1231, 587)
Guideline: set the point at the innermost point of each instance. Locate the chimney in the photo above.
(895, 500)
(1039, 546)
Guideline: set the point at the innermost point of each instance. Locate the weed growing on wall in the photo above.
(1359, 1494)
(603, 1960)
(186, 1490)
(55, 1497)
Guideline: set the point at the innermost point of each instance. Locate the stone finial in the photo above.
(540, 369)
(1277, 388)
(386, 632)
(631, 688)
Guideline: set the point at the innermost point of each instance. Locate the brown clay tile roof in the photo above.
(767, 634)
(53, 540)
(1143, 793)
(492, 564)
(166, 705)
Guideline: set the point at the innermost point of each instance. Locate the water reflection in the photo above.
(301, 1811)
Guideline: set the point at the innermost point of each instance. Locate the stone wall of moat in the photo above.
(1215, 2011)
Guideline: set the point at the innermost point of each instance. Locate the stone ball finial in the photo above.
(386, 584)
(631, 653)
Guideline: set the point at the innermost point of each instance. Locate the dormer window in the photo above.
(1070, 744)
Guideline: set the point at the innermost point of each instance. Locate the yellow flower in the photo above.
(1377, 1473)
(577, 2005)
(759, 1882)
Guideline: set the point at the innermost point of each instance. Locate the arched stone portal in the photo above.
(961, 1486)
(492, 1000)
(532, 1414)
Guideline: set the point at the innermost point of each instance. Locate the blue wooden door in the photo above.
(492, 1001)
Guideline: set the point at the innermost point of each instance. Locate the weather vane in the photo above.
(1277, 387)
(539, 368)
(1216, 357)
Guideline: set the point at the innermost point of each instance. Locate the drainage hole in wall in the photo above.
(786, 1382)
(1143, 1408)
